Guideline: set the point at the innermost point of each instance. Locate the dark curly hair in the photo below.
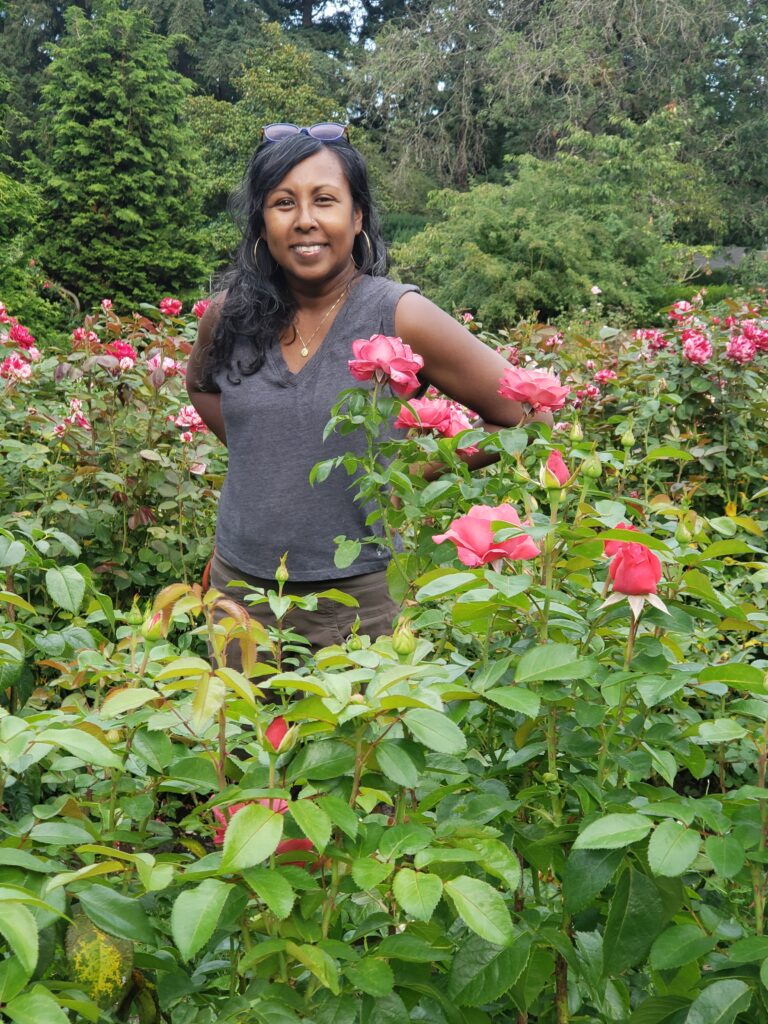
(258, 304)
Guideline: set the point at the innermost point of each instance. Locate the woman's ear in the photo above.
(358, 220)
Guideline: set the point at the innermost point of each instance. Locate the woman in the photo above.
(271, 359)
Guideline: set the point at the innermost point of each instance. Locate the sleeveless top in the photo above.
(274, 421)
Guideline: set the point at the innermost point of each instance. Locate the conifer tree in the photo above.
(120, 208)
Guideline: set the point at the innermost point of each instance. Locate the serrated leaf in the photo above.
(18, 928)
(341, 814)
(368, 873)
(481, 908)
(586, 874)
(66, 587)
(736, 675)
(126, 698)
(613, 832)
(672, 849)
(318, 962)
(551, 662)
(435, 731)
(313, 822)
(117, 914)
(720, 1002)
(35, 1007)
(210, 692)
(196, 913)
(396, 764)
(635, 918)
(727, 855)
(417, 892)
(482, 972)
(680, 945)
(252, 835)
(273, 888)
(515, 698)
(372, 976)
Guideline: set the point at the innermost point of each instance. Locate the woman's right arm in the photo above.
(207, 403)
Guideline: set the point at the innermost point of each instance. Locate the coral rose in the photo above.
(610, 547)
(386, 359)
(275, 732)
(556, 466)
(473, 536)
(536, 388)
(635, 570)
(171, 307)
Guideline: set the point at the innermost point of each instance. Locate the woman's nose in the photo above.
(305, 217)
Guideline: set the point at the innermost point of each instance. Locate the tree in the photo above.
(603, 213)
(120, 215)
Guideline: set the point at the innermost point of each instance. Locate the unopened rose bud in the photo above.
(114, 735)
(682, 534)
(593, 467)
(627, 438)
(134, 617)
(153, 627)
(548, 480)
(520, 474)
(576, 433)
(403, 639)
(282, 573)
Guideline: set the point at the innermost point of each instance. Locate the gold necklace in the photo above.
(304, 350)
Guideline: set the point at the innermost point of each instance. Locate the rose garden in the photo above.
(542, 799)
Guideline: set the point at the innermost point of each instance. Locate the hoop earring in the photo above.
(256, 250)
(368, 243)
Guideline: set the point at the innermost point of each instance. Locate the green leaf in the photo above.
(613, 832)
(680, 945)
(661, 1010)
(553, 661)
(395, 763)
(83, 745)
(210, 692)
(126, 698)
(372, 976)
(119, 915)
(252, 836)
(313, 822)
(721, 548)
(18, 928)
(497, 859)
(435, 731)
(666, 451)
(36, 1007)
(417, 893)
(346, 552)
(388, 1009)
(635, 918)
(735, 675)
(341, 814)
(322, 760)
(412, 949)
(446, 583)
(195, 915)
(747, 951)
(13, 978)
(273, 888)
(727, 855)
(482, 972)
(672, 849)
(368, 873)
(720, 1002)
(515, 698)
(66, 587)
(586, 874)
(636, 537)
(721, 730)
(481, 908)
(318, 962)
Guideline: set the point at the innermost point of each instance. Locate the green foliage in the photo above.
(115, 167)
(602, 212)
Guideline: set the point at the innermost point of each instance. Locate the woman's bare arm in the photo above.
(207, 403)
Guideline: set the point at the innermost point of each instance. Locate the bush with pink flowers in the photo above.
(542, 799)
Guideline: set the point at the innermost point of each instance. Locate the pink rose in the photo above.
(106, 305)
(610, 547)
(603, 375)
(473, 536)
(741, 349)
(171, 307)
(556, 466)
(122, 351)
(424, 414)
(386, 359)
(189, 419)
(635, 570)
(696, 347)
(535, 388)
(681, 310)
(200, 307)
(15, 368)
(655, 338)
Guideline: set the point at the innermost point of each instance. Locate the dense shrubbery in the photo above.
(542, 799)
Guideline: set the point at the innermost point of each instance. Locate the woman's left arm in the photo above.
(459, 365)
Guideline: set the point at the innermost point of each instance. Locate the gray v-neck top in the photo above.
(275, 420)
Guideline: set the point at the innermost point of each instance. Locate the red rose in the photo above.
(611, 547)
(635, 570)
(557, 467)
(275, 732)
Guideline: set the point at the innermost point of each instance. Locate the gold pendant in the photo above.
(304, 352)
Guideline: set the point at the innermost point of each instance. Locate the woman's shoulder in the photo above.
(383, 289)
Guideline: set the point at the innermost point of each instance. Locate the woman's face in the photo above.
(310, 221)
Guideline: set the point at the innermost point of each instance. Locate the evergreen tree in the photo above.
(120, 212)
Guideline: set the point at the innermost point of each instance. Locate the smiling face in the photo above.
(310, 222)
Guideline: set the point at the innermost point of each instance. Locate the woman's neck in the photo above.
(312, 297)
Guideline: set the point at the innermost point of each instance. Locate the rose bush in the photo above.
(533, 804)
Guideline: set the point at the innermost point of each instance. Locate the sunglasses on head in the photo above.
(326, 131)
